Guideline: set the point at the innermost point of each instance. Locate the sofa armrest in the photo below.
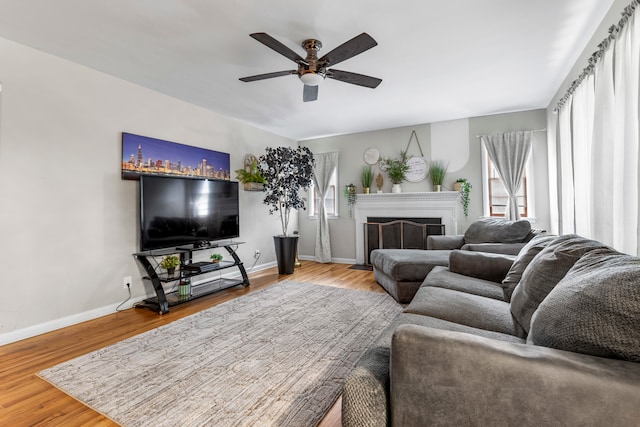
(452, 378)
(496, 248)
(481, 265)
(445, 242)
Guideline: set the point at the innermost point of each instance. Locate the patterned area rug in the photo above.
(277, 357)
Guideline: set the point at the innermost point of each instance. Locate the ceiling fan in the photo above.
(313, 70)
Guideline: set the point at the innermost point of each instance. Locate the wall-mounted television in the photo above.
(178, 211)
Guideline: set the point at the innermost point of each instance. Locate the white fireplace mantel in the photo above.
(443, 204)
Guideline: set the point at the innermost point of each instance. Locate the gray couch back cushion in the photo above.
(545, 271)
(491, 230)
(595, 309)
(527, 253)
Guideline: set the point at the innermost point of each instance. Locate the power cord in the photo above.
(255, 262)
(128, 298)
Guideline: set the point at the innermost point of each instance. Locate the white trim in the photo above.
(63, 322)
(442, 204)
(333, 260)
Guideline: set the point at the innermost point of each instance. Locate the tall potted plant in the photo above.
(286, 171)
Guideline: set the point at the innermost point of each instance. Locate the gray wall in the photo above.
(68, 223)
(463, 151)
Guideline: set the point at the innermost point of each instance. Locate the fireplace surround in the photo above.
(443, 205)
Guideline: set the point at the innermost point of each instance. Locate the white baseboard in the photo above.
(63, 322)
(334, 260)
(42, 328)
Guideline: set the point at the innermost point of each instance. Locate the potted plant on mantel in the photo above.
(437, 172)
(286, 171)
(367, 179)
(397, 170)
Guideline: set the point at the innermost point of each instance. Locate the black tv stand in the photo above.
(163, 300)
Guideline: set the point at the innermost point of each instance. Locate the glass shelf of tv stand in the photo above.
(185, 273)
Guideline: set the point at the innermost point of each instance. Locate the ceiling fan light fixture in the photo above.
(311, 78)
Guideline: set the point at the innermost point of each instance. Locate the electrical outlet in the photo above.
(126, 282)
(256, 254)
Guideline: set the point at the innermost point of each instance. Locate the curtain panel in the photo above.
(509, 153)
(326, 163)
(598, 144)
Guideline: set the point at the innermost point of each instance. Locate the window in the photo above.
(330, 201)
(495, 195)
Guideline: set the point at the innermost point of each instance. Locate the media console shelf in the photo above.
(163, 300)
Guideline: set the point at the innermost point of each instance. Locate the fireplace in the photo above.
(399, 233)
(442, 206)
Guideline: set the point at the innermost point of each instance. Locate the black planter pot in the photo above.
(285, 253)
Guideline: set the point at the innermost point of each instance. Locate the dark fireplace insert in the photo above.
(399, 233)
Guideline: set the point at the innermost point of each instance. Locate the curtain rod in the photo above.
(532, 130)
(595, 57)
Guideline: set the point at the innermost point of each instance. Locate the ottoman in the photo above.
(401, 271)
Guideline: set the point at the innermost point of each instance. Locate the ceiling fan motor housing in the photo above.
(312, 73)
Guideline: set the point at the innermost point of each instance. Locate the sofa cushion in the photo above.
(496, 248)
(527, 253)
(545, 271)
(595, 309)
(465, 309)
(491, 230)
(482, 265)
(408, 265)
(442, 277)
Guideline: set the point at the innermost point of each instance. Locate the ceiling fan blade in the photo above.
(267, 76)
(310, 93)
(349, 49)
(354, 78)
(274, 44)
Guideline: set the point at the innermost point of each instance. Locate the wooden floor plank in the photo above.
(27, 400)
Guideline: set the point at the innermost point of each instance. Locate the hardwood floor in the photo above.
(26, 400)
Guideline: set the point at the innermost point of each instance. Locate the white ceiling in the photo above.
(439, 60)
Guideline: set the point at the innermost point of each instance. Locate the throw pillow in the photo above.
(492, 230)
(526, 254)
(480, 265)
(544, 271)
(594, 310)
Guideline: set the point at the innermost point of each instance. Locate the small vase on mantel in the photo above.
(437, 188)
(396, 188)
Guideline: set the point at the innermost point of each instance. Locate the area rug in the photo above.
(276, 357)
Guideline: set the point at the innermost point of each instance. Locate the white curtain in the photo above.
(626, 127)
(565, 174)
(598, 124)
(509, 153)
(602, 176)
(326, 164)
(581, 128)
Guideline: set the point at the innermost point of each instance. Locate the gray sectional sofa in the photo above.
(549, 337)
(401, 271)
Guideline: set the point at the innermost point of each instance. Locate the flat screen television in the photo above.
(178, 211)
